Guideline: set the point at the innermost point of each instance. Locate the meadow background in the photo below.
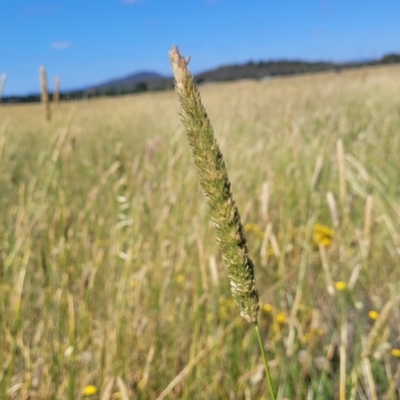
(110, 276)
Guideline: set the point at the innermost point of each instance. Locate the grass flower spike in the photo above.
(44, 92)
(217, 188)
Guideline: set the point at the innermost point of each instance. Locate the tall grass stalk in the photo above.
(44, 92)
(3, 78)
(217, 189)
(343, 348)
(342, 173)
(56, 93)
(370, 345)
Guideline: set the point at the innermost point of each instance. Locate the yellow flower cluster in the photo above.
(323, 235)
(225, 306)
(254, 228)
(278, 317)
(313, 333)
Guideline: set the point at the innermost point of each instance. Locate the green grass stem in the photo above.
(265, 361)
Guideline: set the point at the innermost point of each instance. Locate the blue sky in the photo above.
(88, 42)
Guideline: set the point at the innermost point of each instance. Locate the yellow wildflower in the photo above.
(225, 306)
(395, 353)
(307, 337)
(373, 315)
(319, 332)
(340, 286)
(180, 278)
(281, 318)
(267, 315)
(89, 391)
(323, 235)
(134, 283)
(313, 334)
(267, 308)
(254, 228)
(251, 228)
(226, 302)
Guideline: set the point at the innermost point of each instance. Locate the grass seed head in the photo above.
(44, 92)
(217, 189)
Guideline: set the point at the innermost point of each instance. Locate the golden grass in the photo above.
(56, 93)
(44, 92)
(109, 273)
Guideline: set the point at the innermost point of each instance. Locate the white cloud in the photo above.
(61, 45)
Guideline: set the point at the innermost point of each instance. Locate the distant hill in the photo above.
(152, 81)
(262, 70)
(265, 69)
(129, 80)
(135, 83)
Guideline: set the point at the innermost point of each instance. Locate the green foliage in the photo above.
(391, 59)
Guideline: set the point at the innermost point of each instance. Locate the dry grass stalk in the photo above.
(264, 245)
(370, 379)
(264, 200)
(343, 358)
(212, 263)
(333, 209)
(317, 172)
(368, 217)
(354, 275)
(379, 325)
(19, 288)
(44, 92)
(304, 262)
(56, 94)
(366, 240)
(327, 274)
(143, 382)
(107, 393)
(275, 246)
(202, 264)
(342, 173)
(123, 390)
(370, 344)
(217, 189)
(3, 78)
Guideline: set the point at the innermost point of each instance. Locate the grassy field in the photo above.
(110, 275)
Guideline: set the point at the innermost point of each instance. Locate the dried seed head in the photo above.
(217, 189)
